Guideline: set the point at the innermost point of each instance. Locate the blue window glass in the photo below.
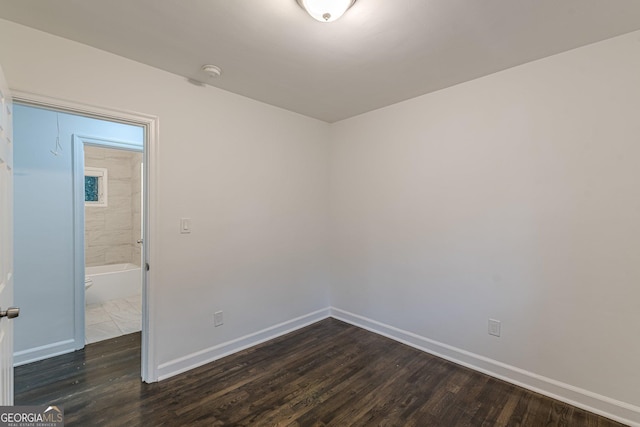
(91, 193)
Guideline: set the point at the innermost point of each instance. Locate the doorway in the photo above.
(63, 150)
(112, 238)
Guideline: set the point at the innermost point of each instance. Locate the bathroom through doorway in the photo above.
(50, 188)
(113, 224)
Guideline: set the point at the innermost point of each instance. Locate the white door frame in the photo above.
(6, 242)
(150, 247)
(79, 273)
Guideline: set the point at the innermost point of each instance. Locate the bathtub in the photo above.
(107, 282)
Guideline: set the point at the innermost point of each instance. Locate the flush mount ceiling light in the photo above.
(326, 10)
(212, 70)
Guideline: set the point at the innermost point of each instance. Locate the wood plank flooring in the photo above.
(327, 374)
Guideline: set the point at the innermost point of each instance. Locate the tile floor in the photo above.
(113, 318)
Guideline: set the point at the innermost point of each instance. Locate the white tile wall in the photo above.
(111, 232)
(136, 207)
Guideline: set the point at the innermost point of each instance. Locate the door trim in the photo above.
(78, 143)
(150, 124)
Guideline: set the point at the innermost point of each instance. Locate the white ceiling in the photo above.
(379, 53)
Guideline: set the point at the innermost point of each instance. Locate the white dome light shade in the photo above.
(326, 10)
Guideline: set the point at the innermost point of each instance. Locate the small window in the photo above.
(95, 187)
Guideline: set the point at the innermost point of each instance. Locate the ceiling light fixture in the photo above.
(212, 71)
(326, 10)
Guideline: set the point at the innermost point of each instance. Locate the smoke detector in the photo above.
(212, 71)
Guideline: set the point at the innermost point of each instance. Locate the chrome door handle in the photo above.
(10, 312)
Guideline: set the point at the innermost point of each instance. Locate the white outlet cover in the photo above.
(218, 319)
(494, 327)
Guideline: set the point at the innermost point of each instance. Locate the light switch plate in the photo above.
(185, 225)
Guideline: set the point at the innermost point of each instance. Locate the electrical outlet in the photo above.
(494, 327)
(218, 320)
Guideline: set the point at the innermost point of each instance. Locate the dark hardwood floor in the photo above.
(327, 374)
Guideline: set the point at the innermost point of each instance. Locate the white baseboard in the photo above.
(43, 352)
(202, 357)
(614, 409)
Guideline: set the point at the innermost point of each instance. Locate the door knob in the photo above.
(10, 312)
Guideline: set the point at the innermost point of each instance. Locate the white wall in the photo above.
(252, 177)
(515, 197)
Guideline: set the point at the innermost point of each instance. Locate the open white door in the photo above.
(6, 245)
